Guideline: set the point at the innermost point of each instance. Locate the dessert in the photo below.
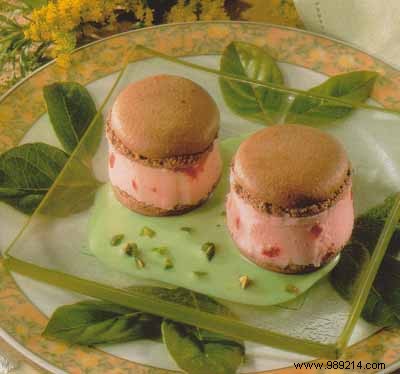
(290, 206)
(163, 150)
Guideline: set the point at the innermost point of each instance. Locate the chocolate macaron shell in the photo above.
(165, 116)
(291, 167)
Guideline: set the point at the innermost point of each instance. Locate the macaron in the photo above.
(290, 206)
(164, 156)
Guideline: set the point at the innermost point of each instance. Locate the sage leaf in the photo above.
(71, 111)
(74, 192)
(247, 100)
(96, 322)
(195, 350)
(198, 351)
(33, 4)
(382, 307)
(354, 87)
(27, 172)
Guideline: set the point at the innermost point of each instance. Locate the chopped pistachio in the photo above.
(218, 225)
(291, 288)
(117, 239)
(131, 249)
(136, 252)
(244, 281)
(209, 249)
(168, 264)
(223, 213)
(147, 231)
(187, 229)
(200, 273)
(161, 250)
(139, 263)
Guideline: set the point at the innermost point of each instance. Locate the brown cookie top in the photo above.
(165, 116)
(291, 169)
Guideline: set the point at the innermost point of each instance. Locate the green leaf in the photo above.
(9, 21)
(97, 322)
(369, 225)
(247, 100)
(195, 350)
(383, 304)
(27, 172)
(33, 4)
(354, 87)
(71, 111)
(200, 352)
(74, 192)
(8, 7)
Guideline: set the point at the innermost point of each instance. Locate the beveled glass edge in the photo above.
(368, 274)
(217, 323)
(166, 309)
(273, 86)
(71, 157)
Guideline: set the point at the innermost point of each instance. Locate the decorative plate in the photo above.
(25, 304)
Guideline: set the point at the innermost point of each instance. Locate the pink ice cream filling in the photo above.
(281, 241)
(165, 188)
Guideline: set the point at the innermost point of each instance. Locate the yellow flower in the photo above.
(51, 14)
(182, 13)
(139, 10)
(75, 10)
(64, 60)
(34, 31)
(212, 10)
(93, 12)
(31, 33)
(148, 17)
(63, 8)
(60, 21)
(69, 20)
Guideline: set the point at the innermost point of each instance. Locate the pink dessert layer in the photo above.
(165, 188)
(283, 241)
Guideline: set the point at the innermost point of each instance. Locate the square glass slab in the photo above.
(67, 240)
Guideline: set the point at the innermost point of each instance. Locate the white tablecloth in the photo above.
(372, 25)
